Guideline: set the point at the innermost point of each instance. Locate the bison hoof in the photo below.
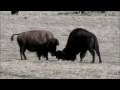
(92, 62)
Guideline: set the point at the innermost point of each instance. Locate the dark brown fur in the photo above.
(79, 41)
(38, 41)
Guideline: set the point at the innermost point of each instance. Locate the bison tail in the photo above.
(12, 37)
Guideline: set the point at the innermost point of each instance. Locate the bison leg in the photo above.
(38, 55)
(93, 54)
(22, 53)
(98, 53)
(82, 55)
(24, 56)
(46, 56)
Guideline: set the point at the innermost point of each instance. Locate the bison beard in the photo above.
(79, 41)
(37, 41)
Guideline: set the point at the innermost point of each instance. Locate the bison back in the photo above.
(34, 39)
(78, 39)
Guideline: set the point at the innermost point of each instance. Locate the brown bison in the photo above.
(79, 41)
(37, 41)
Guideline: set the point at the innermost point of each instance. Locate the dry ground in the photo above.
(106, 28)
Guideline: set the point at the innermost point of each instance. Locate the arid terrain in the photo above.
(105, 26)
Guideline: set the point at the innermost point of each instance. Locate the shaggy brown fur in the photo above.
(79, 41)
(38, 41)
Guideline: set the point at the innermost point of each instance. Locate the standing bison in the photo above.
(79, 41)
(37, 41)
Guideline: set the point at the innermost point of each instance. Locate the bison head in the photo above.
(52, 44)
(59, 54)
(64, 55)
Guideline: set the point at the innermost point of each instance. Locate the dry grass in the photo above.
(106, 28)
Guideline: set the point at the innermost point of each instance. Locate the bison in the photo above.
(79, 41)
(38, 41)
